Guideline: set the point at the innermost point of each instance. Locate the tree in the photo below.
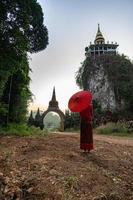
(21, 31)
(72, 120)
(17, 94)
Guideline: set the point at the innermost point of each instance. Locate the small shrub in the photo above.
(119, 128)
(70, 183)
(72, 130)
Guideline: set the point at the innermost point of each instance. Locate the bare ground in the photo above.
(54, 168)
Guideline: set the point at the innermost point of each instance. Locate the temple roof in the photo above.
(53, 102)
(53, 95)
(99, 39)
(31, 115)
(37, 116)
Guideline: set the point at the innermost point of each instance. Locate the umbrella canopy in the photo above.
(80, 101)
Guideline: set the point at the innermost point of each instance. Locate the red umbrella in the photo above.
(80, 101)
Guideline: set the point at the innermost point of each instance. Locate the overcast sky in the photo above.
(72, 25)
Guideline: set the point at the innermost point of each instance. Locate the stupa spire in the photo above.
(99, 27)
(37, 116)
(53, 103)
(31, 119)
(53, 95)
(99, 39)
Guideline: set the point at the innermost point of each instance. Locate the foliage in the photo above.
(22, 26)
(22, 130)
(21, 31)
(84, 72)
(72, 120)
(20, 94)
(119, 129)
(119, 70)
(98, 113)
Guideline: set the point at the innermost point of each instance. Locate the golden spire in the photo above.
(99, 39)
(99, 28)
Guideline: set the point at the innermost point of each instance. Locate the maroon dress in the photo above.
(86, 134)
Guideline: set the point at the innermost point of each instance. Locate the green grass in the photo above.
(69, 183)
(22, 130)
(117, 129)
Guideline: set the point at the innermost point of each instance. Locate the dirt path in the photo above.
(54, 168)
(110, 139)
(115, 139)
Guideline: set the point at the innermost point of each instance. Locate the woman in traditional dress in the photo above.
(86, 134)
(82, 102)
